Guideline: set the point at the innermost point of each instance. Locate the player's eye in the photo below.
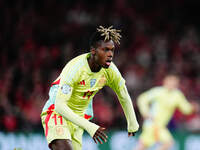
(106, 49)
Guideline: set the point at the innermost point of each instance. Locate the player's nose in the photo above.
(110, 53)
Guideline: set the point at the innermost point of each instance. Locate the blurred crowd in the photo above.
(37, 38)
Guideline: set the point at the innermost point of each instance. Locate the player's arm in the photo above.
(63, 95)
(117, 83)
(144, 100)
(128, 109)
(184, 106)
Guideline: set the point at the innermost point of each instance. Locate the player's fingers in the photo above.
(94, 138)
(99, 140)
(102, 137)
(102, 128)
(130, 134)
(103, 134)
(101, 131)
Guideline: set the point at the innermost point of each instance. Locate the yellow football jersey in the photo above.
(160, 103)
(76, 87)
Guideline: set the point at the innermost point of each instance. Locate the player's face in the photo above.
(171, 82)
(104, 53)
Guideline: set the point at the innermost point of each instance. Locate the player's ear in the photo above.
(93, 51)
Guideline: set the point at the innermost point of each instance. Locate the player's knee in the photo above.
(169, 144)
(61, 144)
(140, 145)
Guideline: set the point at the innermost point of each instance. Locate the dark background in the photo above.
(38, 37)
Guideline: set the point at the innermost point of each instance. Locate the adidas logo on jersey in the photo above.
(82, 82)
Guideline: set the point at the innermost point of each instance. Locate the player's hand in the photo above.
(195, 106)
(131, 134)
(100, 136)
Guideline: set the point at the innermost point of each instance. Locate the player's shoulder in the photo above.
(157, 89)
(77, 62)
(113, 69)
(78, 59)
(75, 65)
(178, 92)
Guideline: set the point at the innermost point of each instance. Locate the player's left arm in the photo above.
(128, 109)
(184, 106)
(117, 83)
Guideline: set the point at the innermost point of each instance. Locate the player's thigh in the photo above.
(76, 137)
(140, 145)
(147, 137)
(61, 144)
(55, 127)
(166, 137)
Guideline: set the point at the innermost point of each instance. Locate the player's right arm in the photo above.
(63, 95)
(144, 100)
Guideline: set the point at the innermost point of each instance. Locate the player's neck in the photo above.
(169, 89)
(94, 67)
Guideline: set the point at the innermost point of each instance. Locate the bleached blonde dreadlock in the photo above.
(110, 34)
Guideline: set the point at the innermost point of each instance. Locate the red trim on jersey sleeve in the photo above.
(49, 112)
(87, 116)
(56, 82)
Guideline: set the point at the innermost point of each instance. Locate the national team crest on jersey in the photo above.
(92, 82)
(66, 89)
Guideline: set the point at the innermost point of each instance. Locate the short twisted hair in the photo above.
(105, 34)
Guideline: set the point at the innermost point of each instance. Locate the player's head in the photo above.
(102, 45)
(171, 81)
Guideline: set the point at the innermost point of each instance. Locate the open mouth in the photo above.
(108, 62)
